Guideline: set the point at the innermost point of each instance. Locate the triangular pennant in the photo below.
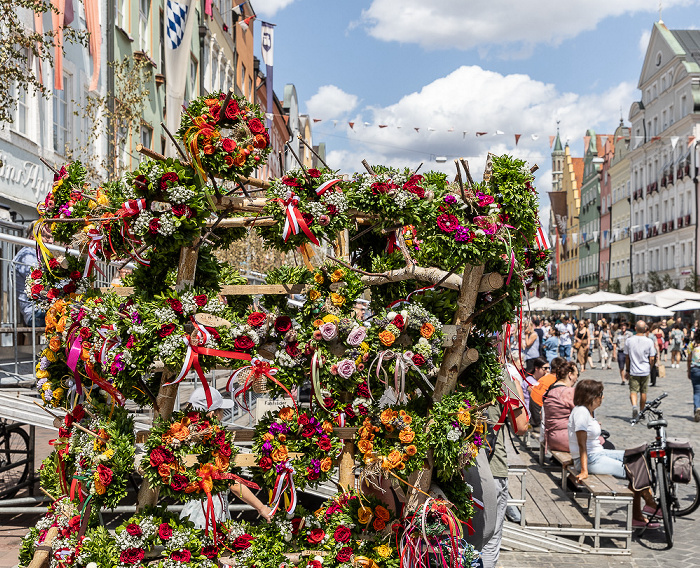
(431, 129)
(335, 123)
(317, 119)
(674, 141)
(383, 125)
(586, 143)
(517, 138)
(690, 140)
(416, 129)
(239, 9)
(367, 124)
(534, 136)
(481, 134)
(655, 138)
(246, 23)
(451, 129)
(352, 125)
(551, 141)
(464, 134)
(498, 133)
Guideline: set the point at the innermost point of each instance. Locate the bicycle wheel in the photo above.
(687, 495)
(665, 500)
(13, 448)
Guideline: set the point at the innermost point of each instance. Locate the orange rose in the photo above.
(427, 330)
(209, 149)
(240, 159)
(364, 446)
(268, 437)
(318, 323)
(327, 427)
(387, 338)
(280, 454)
(394, 458)
(85, 353)
(326, 464)
(100, 489)
(411, 450)
(166, 439)
(55, 344)
(286, 413)
(61, 324)
(364, 515)
(164, 470)
(222, 462)
(406, 435)
(378, 524)
(382, 513)
(387, 416)
(192, 487)
(282, 438)
(50, 320)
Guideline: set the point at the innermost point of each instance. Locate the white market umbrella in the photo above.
(668, 297)
(651, 311)
(577, 299)
(561, 307)
(604, 297)
(538, 304)
(607, 309)
(686, 306)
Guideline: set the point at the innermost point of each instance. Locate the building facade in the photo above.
(589, 216)
(620, 185)
(572, 177)
(664, 129)
(605, 212)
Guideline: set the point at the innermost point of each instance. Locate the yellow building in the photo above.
(568, 251)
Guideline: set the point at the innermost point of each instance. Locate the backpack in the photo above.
(681, 454)
(637, 468)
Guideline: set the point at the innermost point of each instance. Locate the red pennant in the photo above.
(551, 141)
(481, 134)
(383, 125)
(352, 124)
(517, 138)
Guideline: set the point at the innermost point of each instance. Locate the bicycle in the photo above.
(675, 499)
(14, 458)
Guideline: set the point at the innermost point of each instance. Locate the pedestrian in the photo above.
(543, 384)
(592, 341)
(566, 332)
(530, 346)
(551, 345)
(539, 369)
(619, 339)
(589, 454)
(651, 334)
(641, 356)
(664, 346)
(558, 402)
(581, 341)
(676, 340)
(606, 346)
(694, 372)
(537, 322)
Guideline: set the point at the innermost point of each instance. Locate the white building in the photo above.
(662, 163)
(620, 189)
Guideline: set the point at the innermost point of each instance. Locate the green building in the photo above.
(589, 215)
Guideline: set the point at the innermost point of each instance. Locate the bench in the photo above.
(517, 468)
(602, 490)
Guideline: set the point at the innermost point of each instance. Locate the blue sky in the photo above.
(512, 66)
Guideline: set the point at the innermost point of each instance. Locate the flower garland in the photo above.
(54, 377)
(335, 291)
(308, 206)
(227, 145)
(91, 468)
(454, 435)
(283, 433)
(63, 515)
(392, 440)
(62, 277)
(189, 456)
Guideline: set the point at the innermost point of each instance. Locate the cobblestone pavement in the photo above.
(615, 413)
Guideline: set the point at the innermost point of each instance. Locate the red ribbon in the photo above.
(258, 368)
(294, 221)
(104, 385)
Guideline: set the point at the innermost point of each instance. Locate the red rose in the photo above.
(303, 419)
(418, 360)
(64, 432)
(69, 288)
(161, 455)
(165, 531)
(179, 482)
(312, 474)
(332, 209)
(130, 342)
(153, 226)
(166, 329)
(75, 275)
(265, 463)
(179, 210)
(243, 343)
(256, 126)
(229, 161)
(131, 556)
(378, 188)
(133, 529)
(283, 324)
(228, 145)
(308, 219)
(194, 417)
(256, 319)
(344, 554)
(78, 413)
(183, 555)
(314, 564)
(342, 534)
(292, 349)
(329, 402)
(105, 475)
(36, 289)
(419, 191)
(398, 322)
(53, 293)
(325, 444)
(201, 300)
(170, 176)
(243, 541)
(176, 305)
(225, 450)
(363, 390)
(211, 552)
(313, 172)
(290, 181)
(232, 110)
(316, 536)
(36, 274)
(296, 523)
(53, 264)
(220, 438)
(308, 431)
(85, 333)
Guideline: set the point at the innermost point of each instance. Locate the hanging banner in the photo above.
(558, 201)
(267, 45)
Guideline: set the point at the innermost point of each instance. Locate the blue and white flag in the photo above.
(267, 47)
(176, 16)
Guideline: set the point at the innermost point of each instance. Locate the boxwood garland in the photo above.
(189, 434)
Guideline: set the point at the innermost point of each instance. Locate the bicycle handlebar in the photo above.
(650, 407)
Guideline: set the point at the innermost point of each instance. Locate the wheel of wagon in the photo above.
(14, 459)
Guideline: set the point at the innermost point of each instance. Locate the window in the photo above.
(241, 82)
(671, 117)
(193, 78)
(683, 106)
(61, 116)
(146, 136)
(120, 11)
(161, 35)
(20, 115)
(665, 122)
(144, 31)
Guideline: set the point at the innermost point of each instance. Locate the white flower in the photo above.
(141, 224)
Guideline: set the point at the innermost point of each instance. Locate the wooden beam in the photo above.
(233, 222)
(149, 153)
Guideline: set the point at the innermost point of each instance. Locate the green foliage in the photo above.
(482, 379)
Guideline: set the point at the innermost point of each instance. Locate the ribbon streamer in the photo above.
(285, 479)
(94, 247)
(294, 222)
(316, 378)
(325, 186)
(258, 368)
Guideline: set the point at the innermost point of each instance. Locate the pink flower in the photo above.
(357, 336)
(447, 223)
(346, 368)
(334, 369)
(329, 331)
(484, 199)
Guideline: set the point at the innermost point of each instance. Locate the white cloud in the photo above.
(474, 100)
(331, 102)
(269, 7)
(449, 24)
(644, 42)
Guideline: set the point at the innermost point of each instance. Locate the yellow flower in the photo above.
(330, 318)
(318, 278)
(364, 515)
(102, 198)
(46, 386)
(364, 346)
(337, 299)
(464, 416)
(338, 275)
(108, 454)
(314, 295)
(383, 550)
(42, 374)
(58, 393)
(50, 355)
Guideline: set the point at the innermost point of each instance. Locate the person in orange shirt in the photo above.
(538, 391)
